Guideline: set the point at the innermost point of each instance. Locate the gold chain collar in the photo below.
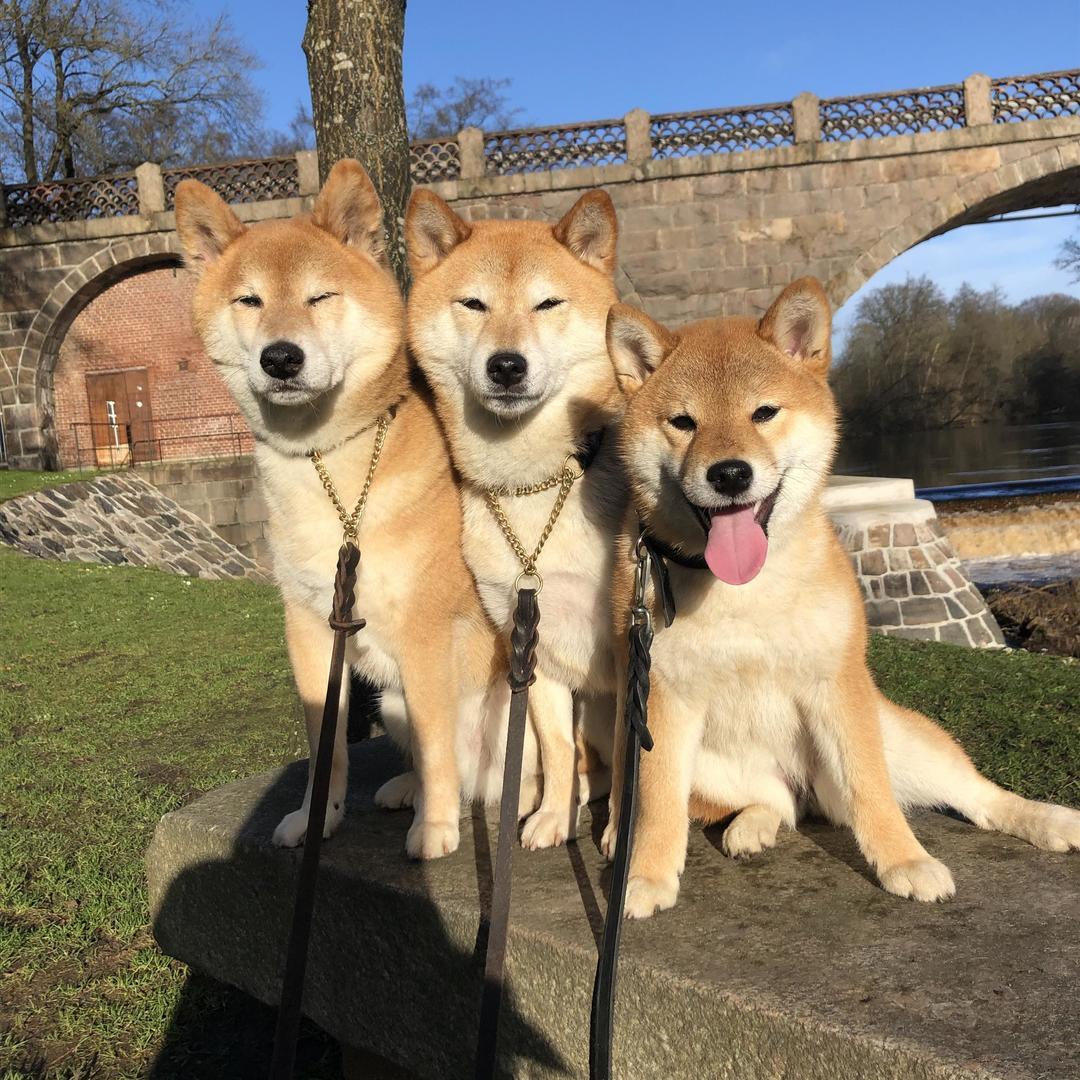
(350, 522)
(564, 481)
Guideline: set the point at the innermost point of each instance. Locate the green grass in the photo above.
(20, 481)
(125, 692)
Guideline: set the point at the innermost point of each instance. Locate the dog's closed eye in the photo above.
(473, 304)
(549, 303)
(250, 300)
(319, 298)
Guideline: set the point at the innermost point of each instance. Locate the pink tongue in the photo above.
(737, 545)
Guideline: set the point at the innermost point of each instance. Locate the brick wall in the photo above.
(145, 321)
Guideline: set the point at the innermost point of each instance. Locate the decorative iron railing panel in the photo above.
(434, 159)
(71, 200)
(1035, 97)
(567, 147)
(722, 131)
(240, 181)
(903, 112)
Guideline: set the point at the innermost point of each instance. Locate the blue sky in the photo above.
(594, 59)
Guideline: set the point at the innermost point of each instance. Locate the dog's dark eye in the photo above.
(682, 422)
(764, 413)
(473, 304)
(549, 303)
(313, 300)
(248, 301)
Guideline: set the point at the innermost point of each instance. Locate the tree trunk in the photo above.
(26, 96)
(358, 104)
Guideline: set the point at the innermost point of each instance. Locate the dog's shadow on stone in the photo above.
(388, 968)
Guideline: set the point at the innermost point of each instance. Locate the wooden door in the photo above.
(121, 417)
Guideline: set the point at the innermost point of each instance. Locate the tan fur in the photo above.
(511, 268)
(427, 643)
(761, 694)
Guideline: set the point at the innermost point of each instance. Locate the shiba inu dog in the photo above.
(305, 322)
(506, 319)
(761, 694)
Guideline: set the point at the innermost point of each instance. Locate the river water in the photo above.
(989, 453)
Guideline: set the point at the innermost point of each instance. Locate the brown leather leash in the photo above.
(292, 986)
(523, 641)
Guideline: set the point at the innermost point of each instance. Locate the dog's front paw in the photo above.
(646, 896)
(292, 828)
(548, 828)
(398, 793)
(431, 839)
(924, 879)
(752, 831)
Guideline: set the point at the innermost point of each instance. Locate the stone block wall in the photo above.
(914, 586)
(224, 492)
(119, 520)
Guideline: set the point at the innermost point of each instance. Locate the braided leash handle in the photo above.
(523, 641)
(348, 560)
(637, 689)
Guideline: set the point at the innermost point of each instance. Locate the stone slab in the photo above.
(909, 511)
(844, 491)
(794, 964)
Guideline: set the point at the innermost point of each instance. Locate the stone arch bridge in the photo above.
(717, 208)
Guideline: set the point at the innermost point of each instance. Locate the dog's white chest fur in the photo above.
(575, 616)
(305, 552)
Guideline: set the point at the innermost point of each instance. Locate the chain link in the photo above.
(350, 522)
(564, 481)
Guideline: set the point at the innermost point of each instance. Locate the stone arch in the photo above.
(41, 348)
(1022, 183)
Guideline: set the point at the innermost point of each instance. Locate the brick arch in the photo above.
(84, 282)
(1018, 184)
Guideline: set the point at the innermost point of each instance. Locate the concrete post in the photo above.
(638, 136)
(978, 107)
(307, 172)
(806, 117)
(151, 189)
(470, 142)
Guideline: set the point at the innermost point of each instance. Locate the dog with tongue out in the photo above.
(762, 702)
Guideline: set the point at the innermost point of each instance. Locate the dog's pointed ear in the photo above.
(348, 208)
(637, 346)
(432, 231)
(590, 230)
(205, 224)
(799, 324)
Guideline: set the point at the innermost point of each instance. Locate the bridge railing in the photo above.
(635, 139)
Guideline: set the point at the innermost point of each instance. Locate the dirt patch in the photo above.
(1046, 619)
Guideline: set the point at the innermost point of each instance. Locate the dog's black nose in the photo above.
(507, 368)
(281, 359)
(731, 477)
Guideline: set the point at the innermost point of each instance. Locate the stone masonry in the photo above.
(223, 492)
(913, 585)
(120, 520)
(702, 232)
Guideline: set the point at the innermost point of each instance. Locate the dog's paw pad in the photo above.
(431, 839)
(923, 879)
(646, 896)
(398, 793)
(546, 828)
(749, 834)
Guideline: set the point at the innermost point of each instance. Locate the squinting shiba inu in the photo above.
(507, 321)
(304, 320)
(760, 688)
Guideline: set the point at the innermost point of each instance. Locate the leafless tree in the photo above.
(1069, 257)
(354, 68)
(433, 112)
(917, 360)
(93, 85)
